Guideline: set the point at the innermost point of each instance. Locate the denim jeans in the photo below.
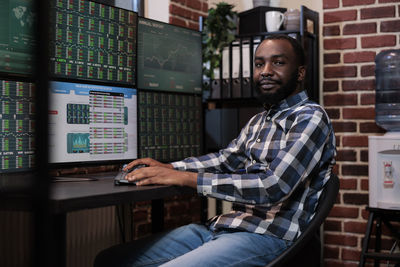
(195, 245)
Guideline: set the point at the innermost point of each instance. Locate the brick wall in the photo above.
(354, 32)
(186, 12)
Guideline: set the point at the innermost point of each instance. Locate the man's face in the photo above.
(276, 71)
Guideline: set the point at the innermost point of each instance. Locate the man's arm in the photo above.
(165, 176)
(159, 173)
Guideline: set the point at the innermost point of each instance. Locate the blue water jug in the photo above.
(387, 104)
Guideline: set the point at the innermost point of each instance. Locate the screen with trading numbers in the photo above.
(91, 123)
(17, 125)
(92, 42)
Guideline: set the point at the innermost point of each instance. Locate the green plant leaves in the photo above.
(219, 30)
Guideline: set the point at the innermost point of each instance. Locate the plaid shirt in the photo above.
(273, 172)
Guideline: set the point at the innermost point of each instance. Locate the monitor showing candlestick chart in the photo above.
(92, 123)
(169, 57)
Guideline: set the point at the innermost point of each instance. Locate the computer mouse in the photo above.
(136, 167)
(120, 177)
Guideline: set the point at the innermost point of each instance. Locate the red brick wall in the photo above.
(354, 32)
(186, 12)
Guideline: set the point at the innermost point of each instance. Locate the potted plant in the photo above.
(219, 30)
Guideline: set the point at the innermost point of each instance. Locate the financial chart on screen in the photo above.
(93, 42)
(170, 125)
(16, 36)
(17, 126)
(91, 123)
(169, 57)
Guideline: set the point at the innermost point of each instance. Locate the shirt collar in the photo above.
(291, 101)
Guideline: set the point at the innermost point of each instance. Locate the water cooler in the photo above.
(384, 171)
(384, 151)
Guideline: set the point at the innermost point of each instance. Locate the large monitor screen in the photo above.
(170, 125)
(17, 126)
(92, 42)
(91, 123)
(169, 57)
(16, 36)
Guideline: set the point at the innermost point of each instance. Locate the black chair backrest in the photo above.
(325, 204)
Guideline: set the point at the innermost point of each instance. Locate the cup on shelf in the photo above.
(273, 20)
(292, 20)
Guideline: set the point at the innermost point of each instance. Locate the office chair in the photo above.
(304, 249)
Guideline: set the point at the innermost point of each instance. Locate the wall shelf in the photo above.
(236, 67)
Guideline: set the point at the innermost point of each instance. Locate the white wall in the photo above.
(153, 9)
(157, 10)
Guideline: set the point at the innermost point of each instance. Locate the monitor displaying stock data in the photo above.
(92, 42)
(89, 123)
(169, 57)
(17, 40)
(17, 126)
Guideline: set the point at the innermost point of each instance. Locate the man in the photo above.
(273, 172)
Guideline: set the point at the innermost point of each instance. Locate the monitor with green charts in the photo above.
(169, 57)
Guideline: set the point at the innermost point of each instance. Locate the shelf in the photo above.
(237, 60)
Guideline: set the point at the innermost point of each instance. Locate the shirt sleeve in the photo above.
(228, 160)
(303, 145)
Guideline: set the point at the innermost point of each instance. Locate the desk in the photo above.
(380, 216)
(72, 196)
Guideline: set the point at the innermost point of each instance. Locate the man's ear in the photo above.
(302, 73)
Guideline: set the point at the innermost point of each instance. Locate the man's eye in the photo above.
(278, 63)
(258, 65)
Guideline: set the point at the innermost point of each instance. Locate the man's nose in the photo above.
(267, 70)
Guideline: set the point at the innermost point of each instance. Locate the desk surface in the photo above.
(70, 196)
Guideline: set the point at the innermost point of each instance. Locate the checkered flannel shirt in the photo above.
(273, 172)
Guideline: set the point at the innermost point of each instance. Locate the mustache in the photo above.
(268, 79)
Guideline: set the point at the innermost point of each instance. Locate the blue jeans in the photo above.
(195, 245)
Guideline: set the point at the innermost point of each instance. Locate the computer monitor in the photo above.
(17, 126)
(17, 38)
(170, 125)
(92, 42)
(169, 57)
(91, 123)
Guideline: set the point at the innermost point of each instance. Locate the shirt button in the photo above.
(254, 161)
(268, 118)
(258, 140)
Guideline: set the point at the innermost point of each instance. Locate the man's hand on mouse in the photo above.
(147, 161)
(159, 173)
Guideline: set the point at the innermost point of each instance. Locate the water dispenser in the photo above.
(384, 151)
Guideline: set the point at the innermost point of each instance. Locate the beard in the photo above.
(272, 98)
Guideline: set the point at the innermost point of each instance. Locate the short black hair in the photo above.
(297, 48)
